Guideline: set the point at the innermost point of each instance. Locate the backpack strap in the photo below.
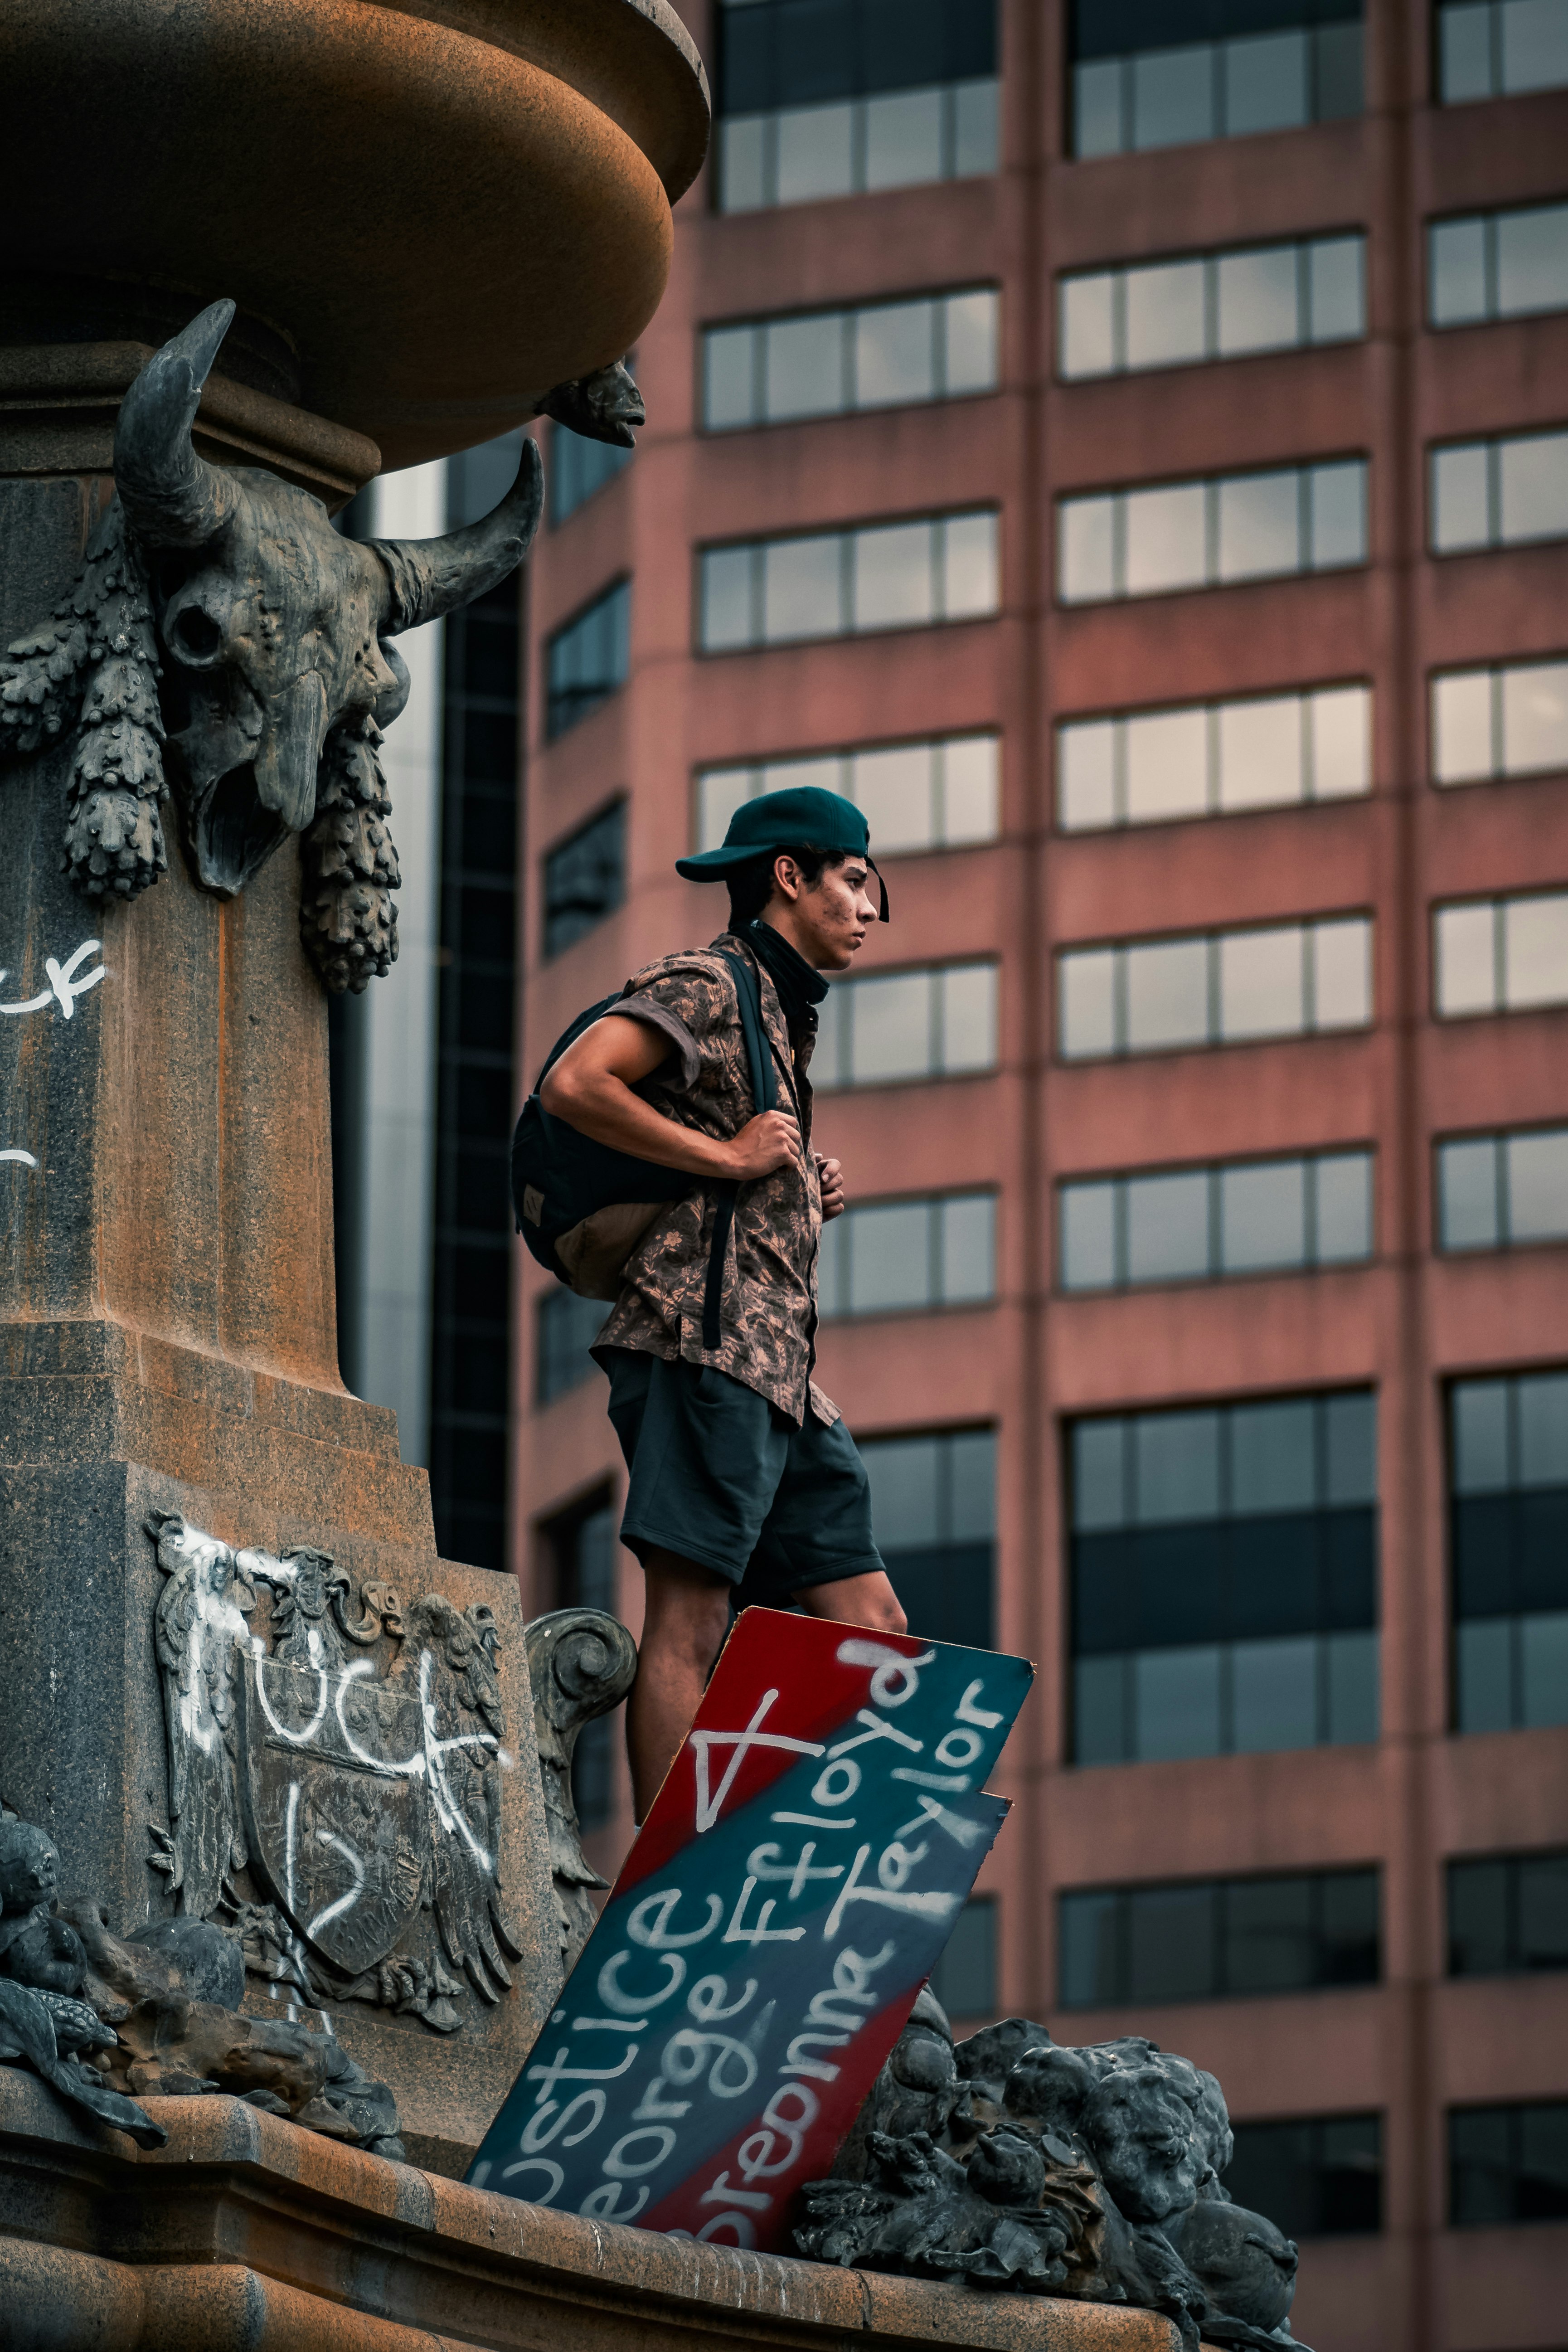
(765, 1097)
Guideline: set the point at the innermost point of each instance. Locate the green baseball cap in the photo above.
(805, 817)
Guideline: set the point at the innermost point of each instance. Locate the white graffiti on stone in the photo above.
(359, 1791)
(63, 987)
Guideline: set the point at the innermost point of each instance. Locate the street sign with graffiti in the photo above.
(792, 1888)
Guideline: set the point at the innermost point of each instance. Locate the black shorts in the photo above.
(720, 1477)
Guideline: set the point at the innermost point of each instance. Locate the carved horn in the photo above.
(173, 498)
(431, 577)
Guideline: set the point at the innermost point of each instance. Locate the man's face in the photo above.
(829, 918)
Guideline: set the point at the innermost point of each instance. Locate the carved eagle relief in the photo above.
(347, 1760)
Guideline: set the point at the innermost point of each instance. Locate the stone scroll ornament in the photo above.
(224, 636)
(793, 1886)
(1089, 2173)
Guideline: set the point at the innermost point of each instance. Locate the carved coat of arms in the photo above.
(344, 1758)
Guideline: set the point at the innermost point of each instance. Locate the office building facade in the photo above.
(1126, 448)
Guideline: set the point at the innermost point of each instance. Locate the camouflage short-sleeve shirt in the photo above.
(768, 1316)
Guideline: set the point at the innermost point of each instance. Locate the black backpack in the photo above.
(582, 1207)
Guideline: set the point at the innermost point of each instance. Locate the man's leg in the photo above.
(867, 1601)
(686, 1616)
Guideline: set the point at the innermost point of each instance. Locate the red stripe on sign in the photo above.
(745, 2194)
(784, 1690)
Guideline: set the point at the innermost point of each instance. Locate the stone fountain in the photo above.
(289, 1870)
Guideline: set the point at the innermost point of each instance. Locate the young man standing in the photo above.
(743, 1479)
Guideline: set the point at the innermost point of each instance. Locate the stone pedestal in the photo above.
(248, 2235)
(168, 1344)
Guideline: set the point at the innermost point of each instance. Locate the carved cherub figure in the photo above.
(36, 1947)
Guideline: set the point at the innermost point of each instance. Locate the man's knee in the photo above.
(687, 1611)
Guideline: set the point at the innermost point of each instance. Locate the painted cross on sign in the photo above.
(790, 1890)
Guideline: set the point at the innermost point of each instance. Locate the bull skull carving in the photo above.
(271, 635)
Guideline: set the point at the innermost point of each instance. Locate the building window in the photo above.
(1214, 759)
(1207, 73)
(892, 1255)
(933, 1512)
(1201, 1225)
(870, 355)
(1217, 1939)
(840, 583)
(1508, 2164)
(1509, 718)
(1499, 1191)
(1507, 1914)
(1499, 49)
(1509, 491)
(565, 1329)
(839, 99)
(1215, 988)
(470, 1297)
(940, 795)
(893, 1027)
(1206, 534)
(584, 1553)
(585, 878)
(964, 1977)
(1508, 1443)
(1501, 265)
(587, 660)
(1320, 2176)
(579, 467)
(1224, 1567)
(1502, 955)
(1211, 306)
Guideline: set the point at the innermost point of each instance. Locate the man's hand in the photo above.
(770, 1140)
(830, 1176)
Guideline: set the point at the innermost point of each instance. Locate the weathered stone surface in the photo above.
(247, 2233)
(335, 161)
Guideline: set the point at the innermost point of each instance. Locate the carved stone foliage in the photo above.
(334, 1777)
(220, 624)
(581, 1663)
(1089, 2173)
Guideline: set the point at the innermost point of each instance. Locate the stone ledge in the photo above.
(245, 2231)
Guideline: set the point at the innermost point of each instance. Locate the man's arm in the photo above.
(590, 1088)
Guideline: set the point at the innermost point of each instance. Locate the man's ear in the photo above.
(786, 877)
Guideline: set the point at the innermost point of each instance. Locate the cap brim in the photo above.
(712, 865)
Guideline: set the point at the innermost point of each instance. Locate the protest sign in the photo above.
(792, 1888)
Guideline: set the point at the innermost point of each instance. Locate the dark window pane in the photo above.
(485, 923)
(1317, 2176)
(1350, 1940)
(484, 1102)
(489, 844)
(946, 1592)
(585, 879)
(479, 1374)
(489, 651)
(1508, 2164)
(586, 660)
(579, 467)
(964, 1977)
(1171, 1939)
(1268, 1945)
(1091, 1967)
(1543, 1937)
(1478, 1939)
(1275, 1579)
(490, 747)
(1483, 1555)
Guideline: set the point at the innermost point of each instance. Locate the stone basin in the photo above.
(430, 212)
